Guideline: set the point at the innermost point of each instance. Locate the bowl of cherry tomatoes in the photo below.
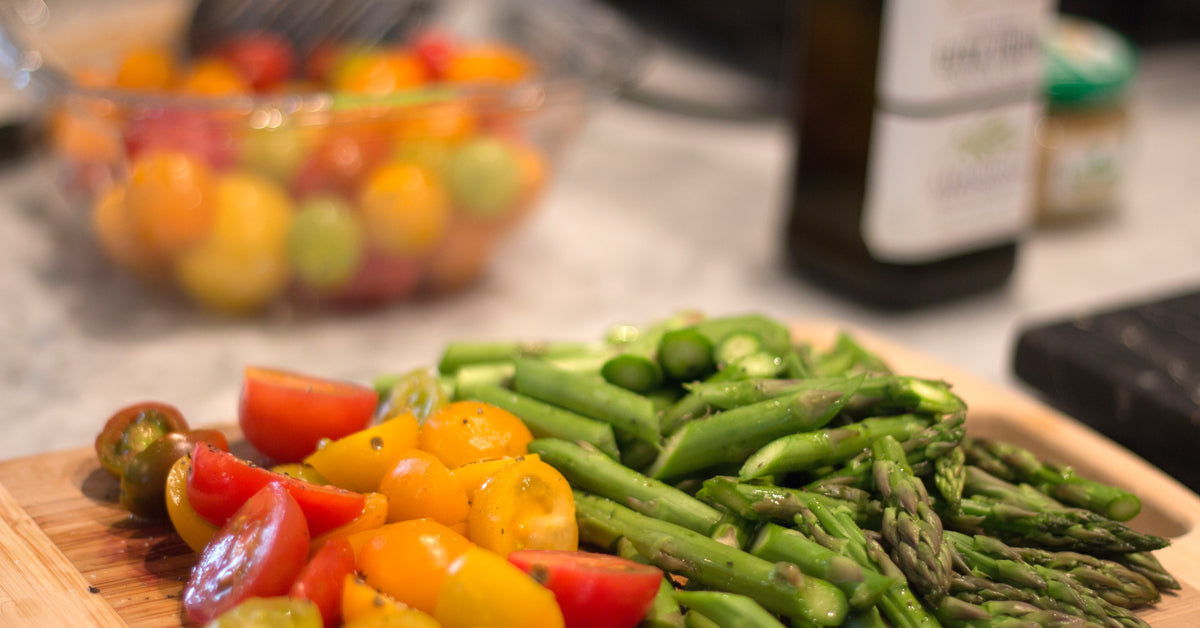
(251, 163)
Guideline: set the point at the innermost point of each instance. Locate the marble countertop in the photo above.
(653, 212)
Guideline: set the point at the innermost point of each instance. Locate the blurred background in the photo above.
(661, 142)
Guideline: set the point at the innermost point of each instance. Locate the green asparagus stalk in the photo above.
(691, 407)
(1011, 512)
(1016, 464)
(835, 528)
(950, 475)
(863, 586)
(458, 354)
(776, 503)
(591, 471)
(547, 421)
(776, 338)
(779, 587)
(1146, 564)
(933, 442)
(912, 529)
(728, 609)
(470, 376)
(1040, 586)
(637, 367)
(685, 355)
(956, 613)
(590, 396)
(848, 357)
(809, 450)
(729, 437)
(694, 619)
(886, 394)
(1110, 580)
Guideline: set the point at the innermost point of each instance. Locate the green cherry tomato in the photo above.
(270, 612)
(417, 391)
(131, 429)
(484, 176)
(325, 243)
(144, 483)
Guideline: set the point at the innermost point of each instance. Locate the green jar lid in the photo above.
(1086, 64)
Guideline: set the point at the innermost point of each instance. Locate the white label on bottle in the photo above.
(942, 186)
(937, 50)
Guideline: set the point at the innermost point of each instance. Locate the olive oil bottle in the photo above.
(915, 123)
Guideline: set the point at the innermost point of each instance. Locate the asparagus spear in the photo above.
(835, 528)
(776, 338)
(547, 421)
(779, 587)
(1146, 564)
(458, 354)
(847, 357)
(809, 450)
(590, 396)
(1020, 512)
(685, 355)
(1016, 464)
(1040, 586)
(863, 586)
(950, 476)
(933, 442)
(777, 503)
(733, 435)
(728, 609)
(956, 613)
(691, 407)
(591, 471)
(1110, 580)
(886, 394)
(636, 367)
(912, 529)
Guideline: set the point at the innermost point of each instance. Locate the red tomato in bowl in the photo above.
(284, 414)
(220, 482)
(593, 590)
(198, 133)
(263, 58)
(257, 553)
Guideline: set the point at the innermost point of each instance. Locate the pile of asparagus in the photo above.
(780, 483)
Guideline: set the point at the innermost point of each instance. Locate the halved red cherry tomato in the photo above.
(220, 482)
(322, 579)
(144, 483)
(593, 590)
(284, 414)
(257, 553)
(131, 429)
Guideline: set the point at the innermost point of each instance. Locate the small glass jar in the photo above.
(1082, 137)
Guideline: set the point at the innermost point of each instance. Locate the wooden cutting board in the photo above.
(69, 556)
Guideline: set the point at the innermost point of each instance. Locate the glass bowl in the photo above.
(386, 159)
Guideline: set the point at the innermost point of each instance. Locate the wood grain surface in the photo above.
(69, 555)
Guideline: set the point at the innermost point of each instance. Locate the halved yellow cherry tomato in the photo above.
(390, 618)
(189, 525)
(425, 549)
(358, 462)
(473, 476)
(470, 431)
(484, 589)
(374, 515)
(360, 599)
(524, 505)
(420, 485)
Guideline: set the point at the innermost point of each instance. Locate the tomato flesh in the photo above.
(321, 580)
(285, 414)
(257, 553)
(220, 482)
(593, 590)
(133, 428)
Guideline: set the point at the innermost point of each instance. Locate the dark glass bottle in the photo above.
(894, 146)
